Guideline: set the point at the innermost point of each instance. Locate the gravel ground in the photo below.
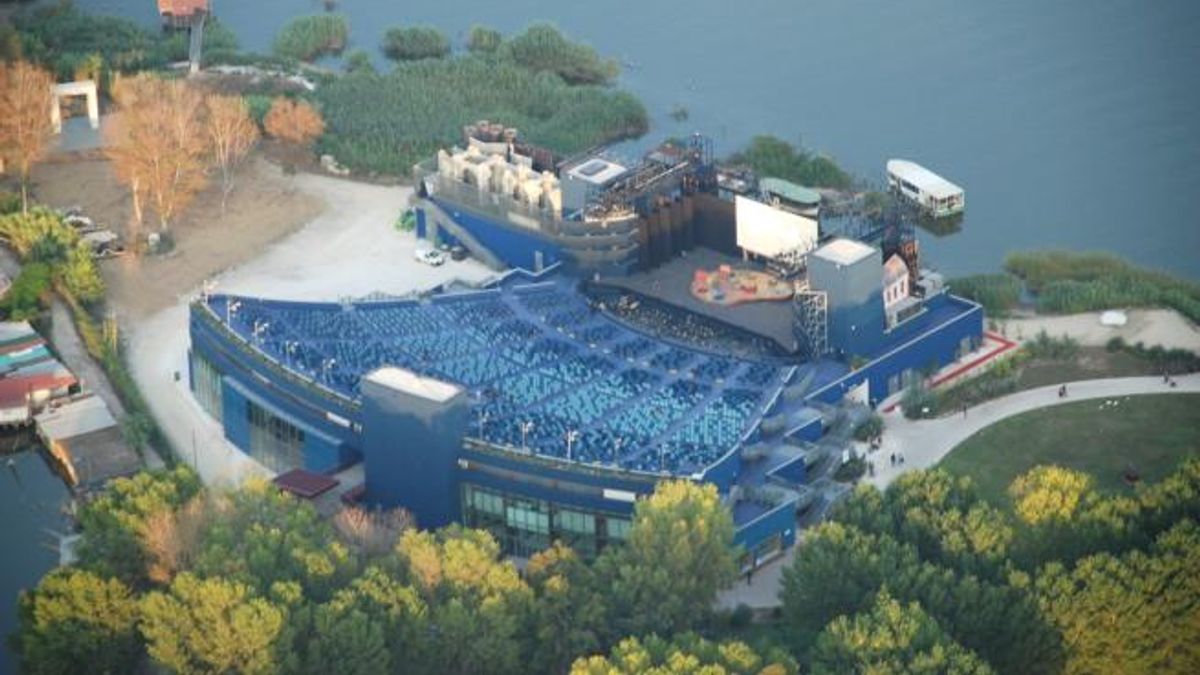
(1164, 327)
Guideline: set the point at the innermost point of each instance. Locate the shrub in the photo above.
(258, 105)
(872, 427)
(775, 157)
(543, 48)
(307, 37)
(63, 38)
(358, 61)
(998, 293)
(1058, 348)
(484, 40)
(293, 121)
(415, 43)
(919, 402)
(386, 123)
(10, 202)
(1083, 282)
(25, 298)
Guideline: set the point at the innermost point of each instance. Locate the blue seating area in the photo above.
(535, 357)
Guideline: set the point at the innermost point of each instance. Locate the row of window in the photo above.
(524, 526)
(206, 385)
(274, 442)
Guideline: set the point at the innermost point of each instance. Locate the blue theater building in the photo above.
(541, 406)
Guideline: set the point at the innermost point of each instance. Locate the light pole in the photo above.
(617, 448)
(231, 308)
(483, 418)
(572, 436)
(526, 427)
(326, 366)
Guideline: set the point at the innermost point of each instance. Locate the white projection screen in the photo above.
(769, 232)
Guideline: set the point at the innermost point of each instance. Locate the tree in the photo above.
(684, 655)
(1137, 613)
(293, 121)
(397, 607)
(941, 515)
(358, 61)
(415, 43)
(25, 128)
(569, 613)
(211, 626)
(839, 570)
(264, 536)
(775, 157)
(891, 638)
(232, 133)
(372, 532)
(484, 40)
(346, 641)
(476, 600)
(114, 524)
(678, 556)
(159, 147)
(1051, 494)
(75, 621)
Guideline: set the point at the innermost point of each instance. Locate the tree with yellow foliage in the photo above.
(25, 128)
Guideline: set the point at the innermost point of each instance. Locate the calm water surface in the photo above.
(31, 502)
(1070, 123)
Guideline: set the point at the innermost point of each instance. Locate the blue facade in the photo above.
(410, 451)
(930, 340)
(417, 455)
(515, 248)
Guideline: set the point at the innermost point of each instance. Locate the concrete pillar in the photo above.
(82, 88)
(56, 114)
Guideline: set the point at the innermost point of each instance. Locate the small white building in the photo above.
(935, 195)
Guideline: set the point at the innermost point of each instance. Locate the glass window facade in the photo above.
(524, 526)
(275, 442)
(206, 386)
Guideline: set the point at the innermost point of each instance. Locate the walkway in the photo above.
(923, 443)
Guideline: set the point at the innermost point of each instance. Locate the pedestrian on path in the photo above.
(964, 411)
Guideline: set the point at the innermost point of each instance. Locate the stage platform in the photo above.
(671, 283)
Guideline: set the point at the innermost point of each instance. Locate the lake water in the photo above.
(1070, 124)
(31, 502)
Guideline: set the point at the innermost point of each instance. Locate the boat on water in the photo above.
(933, 194)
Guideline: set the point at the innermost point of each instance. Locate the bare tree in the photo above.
(172, 538)
(372, 532)
(160, 148)
(232, 133)
(25, 127)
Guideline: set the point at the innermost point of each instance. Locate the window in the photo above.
(206, 386)
(524, 526)
(275, 442)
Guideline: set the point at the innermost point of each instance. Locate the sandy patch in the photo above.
(264, 207)
(1164, 327)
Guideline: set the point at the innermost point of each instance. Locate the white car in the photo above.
(429, 257)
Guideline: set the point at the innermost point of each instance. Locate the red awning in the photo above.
(305, 484)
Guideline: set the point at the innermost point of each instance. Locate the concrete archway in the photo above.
(81, 88)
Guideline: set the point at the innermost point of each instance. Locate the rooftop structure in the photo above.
(789, 191)
(87, 442)
(845, 251)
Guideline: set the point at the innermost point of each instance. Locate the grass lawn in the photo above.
(1154, 432)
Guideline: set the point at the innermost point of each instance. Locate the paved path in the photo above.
(923, 443)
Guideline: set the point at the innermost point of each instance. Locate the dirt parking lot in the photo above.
(264, 207)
